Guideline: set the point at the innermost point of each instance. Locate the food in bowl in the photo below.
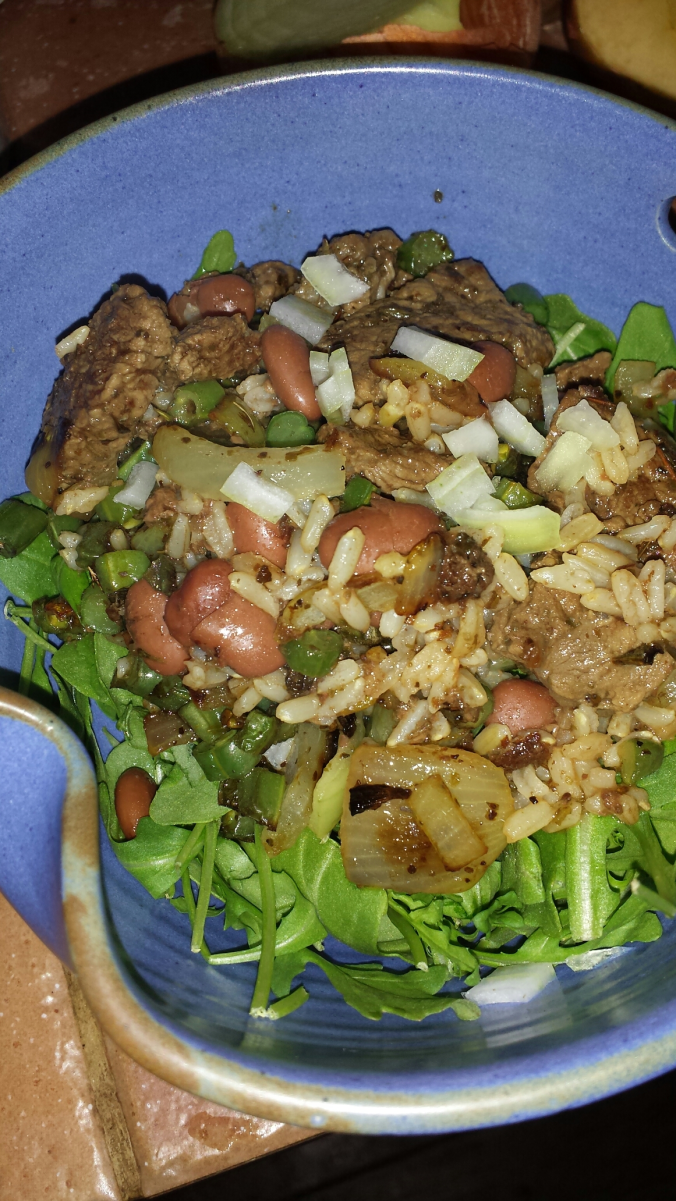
(371, 566)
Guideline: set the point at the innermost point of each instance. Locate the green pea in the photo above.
(314, 653)
(289, 429)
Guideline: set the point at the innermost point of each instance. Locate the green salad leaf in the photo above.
(646, 336)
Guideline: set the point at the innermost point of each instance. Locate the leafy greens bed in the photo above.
(562, 897)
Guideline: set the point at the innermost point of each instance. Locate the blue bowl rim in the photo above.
(544, 1083)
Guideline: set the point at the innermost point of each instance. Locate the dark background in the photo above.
(59, 71)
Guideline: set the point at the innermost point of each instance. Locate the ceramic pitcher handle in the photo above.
(42, 763)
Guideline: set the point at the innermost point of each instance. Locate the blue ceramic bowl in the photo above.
(543, 181)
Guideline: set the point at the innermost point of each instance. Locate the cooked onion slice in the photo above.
(438, 813)
(386, 847)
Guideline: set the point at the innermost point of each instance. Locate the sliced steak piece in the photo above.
(97, 404)
(524, 748)
(591, 370)
(270, 280)
(384, 457)
(465, 569)
(575, 652)
(456, 300)
(214, 348)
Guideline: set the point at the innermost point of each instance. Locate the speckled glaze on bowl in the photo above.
(544, 181)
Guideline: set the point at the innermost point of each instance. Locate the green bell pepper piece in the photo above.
(59, 525)
(423, 251)
(514, 495)
(142, 454)
(358, 492)
(170, 694)
(122, 515)
(204, 722)
(289, 429)
(194, 402)
(93, 614)
(314, 653)
(119, 569)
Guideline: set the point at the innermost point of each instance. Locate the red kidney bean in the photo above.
(134, 792)
(495, 374)
(386, 524)
(204, 589)
(211, 296)
(144, 616)
(253, 533)
(287, 362)
(243, 637)
(522, 705)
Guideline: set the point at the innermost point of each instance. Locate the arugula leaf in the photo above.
(356, 916)
(373, 991)
(106, 655)
(151, 855)
(232, 862)
(30, 575)
(438, 935)
(178, 802)
(572, 342)
(522, 872)
(76, 663)
(646, 335)
(71, 584)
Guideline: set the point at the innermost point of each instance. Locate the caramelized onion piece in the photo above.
(421, 576)
(387, 847)
(438, 813)
(371, 796)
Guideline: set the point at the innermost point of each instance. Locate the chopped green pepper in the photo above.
(134, 674)
(508, 460)
(123, 515)
(423, 251)
(150, 539)
(60, 525)
(260, 731)
(225, 759)
(142, 454)
(358, 492)
(531, 300)
(219, 254)
(194, 402)
(314, 653)
(170, 694)
(204, 722)
(639, 757)
(381, 724)
(289, 429)
(237, 827)
(120, 569)
(514, 495)
(259, 795)
(93, 613)
(238, 421)
(54, 615)
(20, 525)
(95, 541)
(162, 574)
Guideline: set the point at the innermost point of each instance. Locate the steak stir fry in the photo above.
(374, 567)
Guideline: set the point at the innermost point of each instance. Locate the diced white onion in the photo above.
(332, 279)
(526, 531)
(516, 429)
(448, 358)
(458, 486)
(583, 419)
(139, 485)
(477, 436)
(256, 493)
(319, 366)
(550, 398)
(510, 985)
(336, 395)
(565, 464)
(303, 318)
(489, 504)
(278, 754)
